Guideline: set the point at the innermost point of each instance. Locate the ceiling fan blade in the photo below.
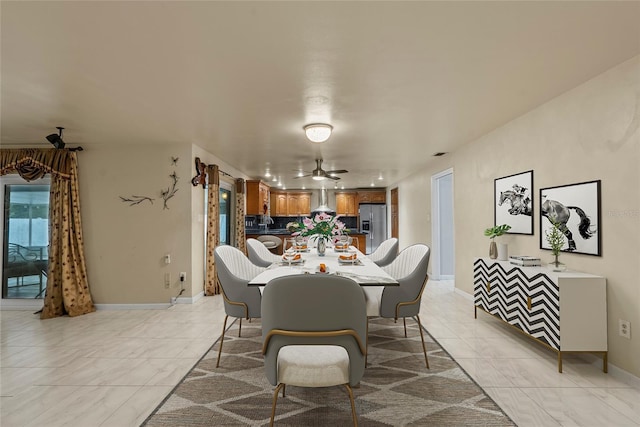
(338, 171)
(335, 178)
(301, 176)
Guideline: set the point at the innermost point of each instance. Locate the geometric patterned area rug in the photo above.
(396, 389)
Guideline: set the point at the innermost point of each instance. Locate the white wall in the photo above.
(589, 133)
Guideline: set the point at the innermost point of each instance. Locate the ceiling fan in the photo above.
(319, 174)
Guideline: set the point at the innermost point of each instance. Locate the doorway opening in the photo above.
(442, 232)
(25, 242)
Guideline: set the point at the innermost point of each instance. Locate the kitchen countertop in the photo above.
(274, 231)
(283, 231)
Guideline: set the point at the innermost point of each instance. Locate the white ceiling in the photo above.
(399, 81)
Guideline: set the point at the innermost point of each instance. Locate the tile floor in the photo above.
(112, 368)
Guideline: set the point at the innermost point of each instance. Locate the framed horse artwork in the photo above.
(513, 202)
(575, 209)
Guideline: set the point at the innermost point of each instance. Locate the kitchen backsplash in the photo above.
(280, 222)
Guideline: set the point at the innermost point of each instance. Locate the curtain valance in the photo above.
(34, 163)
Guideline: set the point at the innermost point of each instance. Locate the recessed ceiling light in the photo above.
(267, 174)
(284, 188)
(279, 184)
(274, 179)
(380, 177)
(304, 188)
(372, 184)
(342, 186)
(300, 174)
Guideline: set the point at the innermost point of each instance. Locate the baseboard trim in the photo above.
(156, 306)
(464, 294)
(21, 304)
(613, 370)
(159, 306)
(190, 300)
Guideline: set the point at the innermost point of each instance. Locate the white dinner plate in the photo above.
(297, 261)
(350, 261)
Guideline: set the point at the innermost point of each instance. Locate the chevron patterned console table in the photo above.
(567, 312)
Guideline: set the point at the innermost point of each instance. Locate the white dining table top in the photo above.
(365, 272)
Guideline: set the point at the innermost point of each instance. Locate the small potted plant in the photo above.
(492, 233)
(556, 239)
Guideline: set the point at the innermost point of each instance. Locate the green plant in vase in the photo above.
(492, 233)
(556, 239)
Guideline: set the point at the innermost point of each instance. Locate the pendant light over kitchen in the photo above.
(318, 132)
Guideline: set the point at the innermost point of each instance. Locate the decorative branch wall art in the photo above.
(136, 200)
(513, 202)
(171, 190)
(166, 194)
(575, 209)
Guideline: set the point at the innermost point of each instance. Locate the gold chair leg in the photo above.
(240, 327)
(275, 400)
(224, 327)
(284, 388)
(424, 349)
(404, 320)
(366, 343)
(353, 405)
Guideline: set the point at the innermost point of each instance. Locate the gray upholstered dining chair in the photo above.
(259, 254)
(386, 252)
(410, 270)
(234, 271)
(313, 330)
(271, 242)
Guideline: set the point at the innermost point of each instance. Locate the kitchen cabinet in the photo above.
(257, 198)
(567, 312)
(290, 204)
(362, 241)
(278, 204)
(346, 204)
(304, 204)
(372, 196)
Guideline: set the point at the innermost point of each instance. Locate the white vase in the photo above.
(322, 246)
(503, 252)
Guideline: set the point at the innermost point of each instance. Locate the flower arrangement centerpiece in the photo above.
(323, 227)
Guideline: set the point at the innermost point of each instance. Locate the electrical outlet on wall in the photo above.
(624, 328)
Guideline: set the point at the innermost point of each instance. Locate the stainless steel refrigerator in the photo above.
(373, 223)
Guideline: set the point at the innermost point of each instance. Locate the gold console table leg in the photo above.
(605, 367)
(559, 361)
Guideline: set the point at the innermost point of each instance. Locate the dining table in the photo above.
(362, 270)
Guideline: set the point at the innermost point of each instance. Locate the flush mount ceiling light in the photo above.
(318, 132)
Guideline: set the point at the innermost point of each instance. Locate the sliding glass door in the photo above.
(225, 216)
(25, 220)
